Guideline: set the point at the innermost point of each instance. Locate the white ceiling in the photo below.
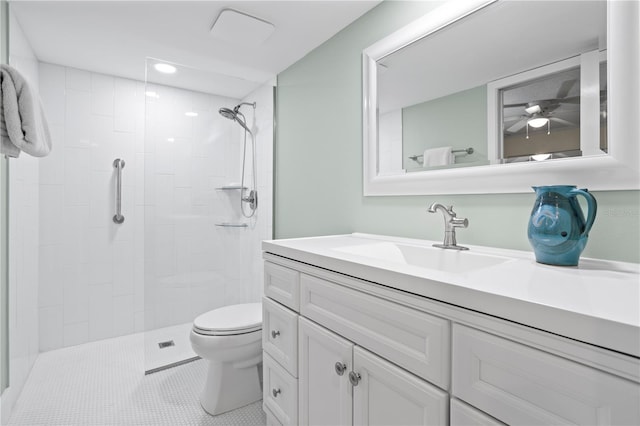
(115, 37)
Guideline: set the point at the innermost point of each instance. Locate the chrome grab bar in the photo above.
(118, 164)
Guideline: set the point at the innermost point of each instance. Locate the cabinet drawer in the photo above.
(280, 392)
(521, 385)
(465, 415)
(414, 340)
(282, 284)
(280, 334)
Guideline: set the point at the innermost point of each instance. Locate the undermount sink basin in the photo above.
(451, 261)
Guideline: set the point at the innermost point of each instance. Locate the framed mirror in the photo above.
(498, 96)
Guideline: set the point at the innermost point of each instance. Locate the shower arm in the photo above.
(236, 109)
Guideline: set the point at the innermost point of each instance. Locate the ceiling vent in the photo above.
(241, 29)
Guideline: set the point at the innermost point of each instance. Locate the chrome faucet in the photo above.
(451, 222)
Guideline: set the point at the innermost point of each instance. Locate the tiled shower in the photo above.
(170, 260)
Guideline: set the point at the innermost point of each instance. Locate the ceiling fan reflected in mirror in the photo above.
(539, 113)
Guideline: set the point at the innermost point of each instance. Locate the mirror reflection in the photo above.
(514, 81)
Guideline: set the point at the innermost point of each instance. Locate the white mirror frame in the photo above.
(617, 170)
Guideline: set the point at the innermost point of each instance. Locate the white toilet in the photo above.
(230, 339)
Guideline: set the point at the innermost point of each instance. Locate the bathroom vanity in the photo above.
(365, 329)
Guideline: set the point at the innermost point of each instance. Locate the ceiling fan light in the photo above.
(540, 157)
(533, 109)
(538, 122)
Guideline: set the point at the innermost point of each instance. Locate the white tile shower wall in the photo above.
(23, 242)
(89, 283)
(168, 262)
(191, 265)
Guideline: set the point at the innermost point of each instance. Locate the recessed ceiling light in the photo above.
(191, 114)
(165, 68)
(171, 140)
(152, 94)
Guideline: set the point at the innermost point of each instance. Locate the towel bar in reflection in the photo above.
(455, 151)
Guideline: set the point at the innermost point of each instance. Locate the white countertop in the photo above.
(597, 302)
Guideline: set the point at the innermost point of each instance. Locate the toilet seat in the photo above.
(230, 320)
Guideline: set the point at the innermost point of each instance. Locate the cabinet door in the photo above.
(465, 415)
(388, 395)
(324, 395)
(518, 384)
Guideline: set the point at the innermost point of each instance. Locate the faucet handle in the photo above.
(459, 222)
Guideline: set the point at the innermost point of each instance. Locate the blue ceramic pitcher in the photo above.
(558, 231)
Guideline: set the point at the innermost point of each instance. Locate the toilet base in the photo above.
(228, 388)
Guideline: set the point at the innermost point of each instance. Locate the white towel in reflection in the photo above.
(442, 156)
(22, 123)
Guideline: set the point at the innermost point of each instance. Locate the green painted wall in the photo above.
(318, 161)
(458, 120)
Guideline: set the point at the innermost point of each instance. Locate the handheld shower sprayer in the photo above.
(252, 197)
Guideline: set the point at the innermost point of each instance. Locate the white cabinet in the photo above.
(324, 389)
(414, 360)
(389, 395)
(279, 391)
(340, 382)
(519, 384)
(282, 285)
(412, 339)
(465, 415)
(280, 334)
(280, 344)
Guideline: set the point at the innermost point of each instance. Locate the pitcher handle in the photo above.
(592, 207)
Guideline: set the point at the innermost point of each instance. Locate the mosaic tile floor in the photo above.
(103, 383)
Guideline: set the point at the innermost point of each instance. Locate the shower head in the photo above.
(227, 113)
(235, 114)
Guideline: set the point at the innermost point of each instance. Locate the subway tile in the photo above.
(51, 167)
(52, 92)
(102, 94)
(102, 198)
(104, 149)
(123, 315)
(100, 312)
(78, 79)
(76, 297)
(124, 267)
(76, 165)
(51, 205)
(138, 319)
(100, 256)
(125, 102)
(164, 157)
(78, 119)
(50, 328)
(76, 334)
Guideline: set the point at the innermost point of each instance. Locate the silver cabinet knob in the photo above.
(275, 333)
(275, 392)
(354, 378)
(340, 368)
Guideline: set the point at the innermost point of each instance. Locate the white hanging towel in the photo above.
(22, 123)
(442, 156)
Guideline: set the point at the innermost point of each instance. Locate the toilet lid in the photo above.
(234, 319)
